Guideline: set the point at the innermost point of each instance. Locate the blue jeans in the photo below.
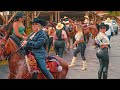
(59, 47)
(81, 48)
(109, 37)
(103, 57)
(42, 65)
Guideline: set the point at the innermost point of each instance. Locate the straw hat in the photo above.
(108, 20)
(65, 17)
(59, 26)
(86, 17)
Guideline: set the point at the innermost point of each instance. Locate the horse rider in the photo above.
(35, 44)
(102, 54)
(80, 48)
(18, 27)
(59, 39)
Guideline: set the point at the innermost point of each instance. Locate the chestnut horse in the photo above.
(71, 33)
(93, 30)
(18, 68)
(17, 63)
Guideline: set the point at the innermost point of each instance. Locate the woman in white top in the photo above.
(102, 54)
(81, 47)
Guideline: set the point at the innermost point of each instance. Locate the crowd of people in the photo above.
(58, 36)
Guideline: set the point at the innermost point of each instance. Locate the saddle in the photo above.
(51, 64)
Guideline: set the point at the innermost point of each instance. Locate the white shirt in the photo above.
(108, 32)
(101, 38)
(78, 37)
(110, 25)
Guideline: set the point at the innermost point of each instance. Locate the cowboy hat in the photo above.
(103, 24)
(86, 17)
(65, 17)
(109, 20)
(36, 20)
(66, 22)
(59, 26)
(19, 15)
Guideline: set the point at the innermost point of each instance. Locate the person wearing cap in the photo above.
(59, 39)
(102, 54)
(80, 48)
(18, 27)
(35, 43)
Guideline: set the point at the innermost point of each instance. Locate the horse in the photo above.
(71, 31)
(18, 67)
(17, 63)
(93, 30)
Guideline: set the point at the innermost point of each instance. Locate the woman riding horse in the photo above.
(11, 49)
(18, 27)
(35, 44)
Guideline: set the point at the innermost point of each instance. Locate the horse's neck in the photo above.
(17, 62)
(12, 45)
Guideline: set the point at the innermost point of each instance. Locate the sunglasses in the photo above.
(103, 27)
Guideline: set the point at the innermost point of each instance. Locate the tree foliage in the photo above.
(114, 13)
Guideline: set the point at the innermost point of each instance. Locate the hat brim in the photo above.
(66, 22)
(40, 22)
(86, 17)
(107, 26)
(59, 27)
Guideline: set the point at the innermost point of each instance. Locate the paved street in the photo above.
(92, 63)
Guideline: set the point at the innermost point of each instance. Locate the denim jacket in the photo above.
(36, 45)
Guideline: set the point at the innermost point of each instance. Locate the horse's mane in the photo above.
(8, 28)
